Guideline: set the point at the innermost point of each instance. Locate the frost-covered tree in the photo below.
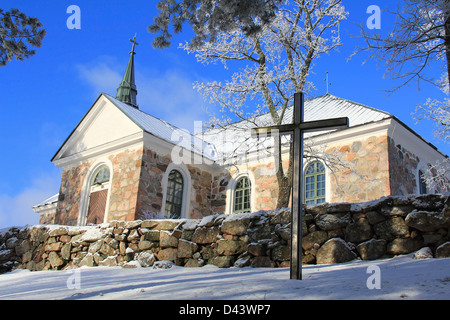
(419, 40)
(420, 36)
(17, 33)
(273, 64)
(209, 17)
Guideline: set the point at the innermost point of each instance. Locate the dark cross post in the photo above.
(298, 128)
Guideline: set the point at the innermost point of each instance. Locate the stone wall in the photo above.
(153, 167)
(332, 233)
(136, 188)
(124, 184)
(369, 180)
(403, 166)
(70, 194)
(123, 189)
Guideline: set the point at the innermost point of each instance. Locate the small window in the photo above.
(101, 176)
(174, 197)
(242, 196)
(422, 183)
(314, 183)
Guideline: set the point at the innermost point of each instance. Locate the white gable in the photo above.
(103, 124)
(164, 130)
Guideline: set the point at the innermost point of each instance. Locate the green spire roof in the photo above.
(127, 91)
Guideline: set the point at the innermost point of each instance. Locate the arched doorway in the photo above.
(98, 196)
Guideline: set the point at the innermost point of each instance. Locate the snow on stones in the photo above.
(332, 233)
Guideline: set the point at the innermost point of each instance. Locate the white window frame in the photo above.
(187, 185)
(232, 184)
(327, 179)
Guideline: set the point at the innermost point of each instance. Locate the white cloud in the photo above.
(15, 210)
(102, 75)
(170, 96)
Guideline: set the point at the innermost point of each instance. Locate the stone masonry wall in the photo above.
(124, 184)
(70, 194)
(150, 195)
(332, 233)
(122, 190)
(403, 166)
(369, 180)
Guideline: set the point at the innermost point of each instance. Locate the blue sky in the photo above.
(44, 97)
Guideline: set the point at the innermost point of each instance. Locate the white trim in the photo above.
(133, 141)
(232, 186)
(187, 185)
(87, 189)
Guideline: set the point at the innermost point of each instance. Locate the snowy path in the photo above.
(401, 278)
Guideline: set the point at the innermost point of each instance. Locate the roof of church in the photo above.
(52, 199)
(209, 145)
(320, 108)
(327, 107)
(164, 130)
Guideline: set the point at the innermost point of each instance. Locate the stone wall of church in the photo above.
(263, 176)
(368, 178)
(122, 190)
(68, 207)
(125, 184)
(136, 188)
(403, 169)
(219, 185)
(205, 193)
(200, 193)
(150, 194)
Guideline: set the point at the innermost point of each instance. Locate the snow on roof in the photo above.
(164, 130)
(208, 144)
(52, 199)
(329, 106)
(319, 108)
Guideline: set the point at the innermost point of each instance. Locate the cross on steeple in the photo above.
(297, 129)
(134, 43)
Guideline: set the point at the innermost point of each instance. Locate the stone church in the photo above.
(120, 163)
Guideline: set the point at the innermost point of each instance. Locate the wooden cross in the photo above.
(134, 43)
(298, 128)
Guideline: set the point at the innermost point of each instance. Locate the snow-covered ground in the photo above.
(399, 278)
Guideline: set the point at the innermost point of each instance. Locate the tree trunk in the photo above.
(284, 181)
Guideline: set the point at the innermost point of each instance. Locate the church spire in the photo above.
(127, 91)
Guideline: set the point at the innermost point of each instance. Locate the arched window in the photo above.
(314, 183)
(422, 184)
(101, 176)
(174, 197)
(242, 195)
(98, 196)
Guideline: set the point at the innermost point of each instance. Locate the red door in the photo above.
(97, 207)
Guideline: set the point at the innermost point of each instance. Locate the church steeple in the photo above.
(127, 91)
